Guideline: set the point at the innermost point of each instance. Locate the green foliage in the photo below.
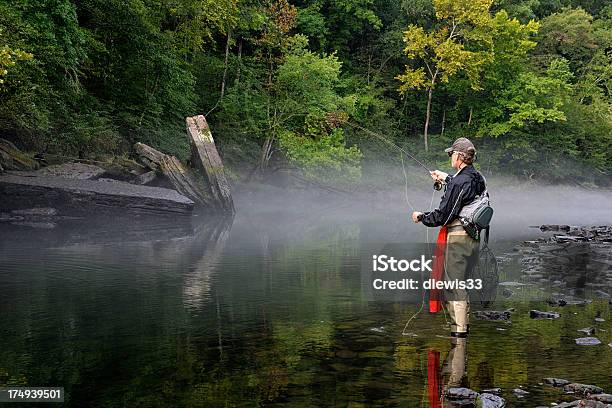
(443, 51)
(323, 158)
(568, 34)
(529, 79)
(9, 57)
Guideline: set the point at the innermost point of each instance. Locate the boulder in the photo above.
(460, 393)
(582, 388)
(556, 382)
(587, 341)
(487, 400)
(79, 171)
(536, 314)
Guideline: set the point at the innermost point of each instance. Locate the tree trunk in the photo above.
(239, 61)
(443, 123)
(429, 94)
(265, 153)
(227, 46)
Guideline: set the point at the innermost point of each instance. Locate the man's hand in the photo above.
(416, 217)
(438, 175)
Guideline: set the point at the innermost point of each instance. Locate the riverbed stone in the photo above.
(496, 391)
(487, 400)
(587, 341)
(556, 382)
(583, 388)
(537, 314)
(606, 398)
(582, 403)
(587, 330)
(459, 393)
(492, 315)
(520, 393)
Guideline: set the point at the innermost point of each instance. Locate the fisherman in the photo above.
(460, 254)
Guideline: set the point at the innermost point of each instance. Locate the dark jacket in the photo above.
(461, 189)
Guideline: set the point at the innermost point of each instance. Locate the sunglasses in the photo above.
(450, 154)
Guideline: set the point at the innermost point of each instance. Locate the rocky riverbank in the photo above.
(34, 192)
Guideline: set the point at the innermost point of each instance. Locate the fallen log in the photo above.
(184, 181)
(205, 157)
(85, 197)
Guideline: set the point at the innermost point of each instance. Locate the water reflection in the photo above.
(252, 311)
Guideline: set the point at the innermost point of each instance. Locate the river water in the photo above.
(267, 309)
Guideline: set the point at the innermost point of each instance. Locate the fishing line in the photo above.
(390, 143)
(423, 291)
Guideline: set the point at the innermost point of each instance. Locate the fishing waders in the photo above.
(460, 260)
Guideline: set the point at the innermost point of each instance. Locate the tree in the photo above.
(442, 51)
(568, 34)
(9, 57)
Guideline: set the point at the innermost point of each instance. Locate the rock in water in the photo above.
(556, 382)
(86, 197)
(582, 404)
(536, 314)
(587, 330)
(605, 398)
(582, 388)
(492, 315)
(519, 392)
(487, 400)
(495, 391)
(460, 393)
(587, 341)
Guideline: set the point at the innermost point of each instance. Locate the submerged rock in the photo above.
(495, 391)
(582, 403)
(487, 400)
(582, 388)
(460, 393)
(556, 382)
(520, 393)
(492, 315)
(536, 314)
(607, 398)
(587, 330)
(587, 341)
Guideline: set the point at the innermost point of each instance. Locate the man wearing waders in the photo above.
(457, 252)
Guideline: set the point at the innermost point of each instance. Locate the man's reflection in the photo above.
(453, 373)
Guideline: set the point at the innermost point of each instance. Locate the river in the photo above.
(267, 309)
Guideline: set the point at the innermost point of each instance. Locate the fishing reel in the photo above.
(438, 185)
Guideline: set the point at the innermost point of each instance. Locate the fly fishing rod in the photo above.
(437, 184)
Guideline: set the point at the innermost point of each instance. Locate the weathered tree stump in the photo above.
(184, 181)
(204, 155)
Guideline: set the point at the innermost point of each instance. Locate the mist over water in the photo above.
(267, 308)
